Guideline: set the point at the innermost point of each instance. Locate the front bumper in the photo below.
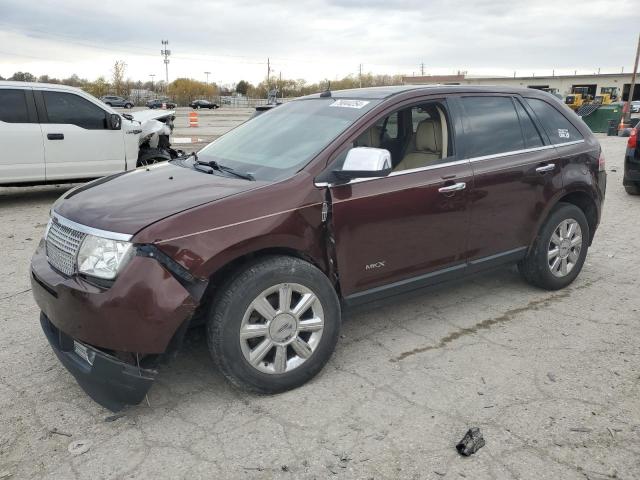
(139, 313)
(109, 381)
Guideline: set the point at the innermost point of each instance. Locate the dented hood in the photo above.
(145, 115)
(131, 201)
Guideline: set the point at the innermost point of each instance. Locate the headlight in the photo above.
(103, 258)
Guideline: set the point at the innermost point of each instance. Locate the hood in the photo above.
(145, 115)
(129, 202)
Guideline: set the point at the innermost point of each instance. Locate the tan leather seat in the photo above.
(370, 138)
(427, 145)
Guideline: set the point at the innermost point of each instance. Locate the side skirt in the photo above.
(434, 278)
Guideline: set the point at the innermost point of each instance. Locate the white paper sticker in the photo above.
(349, 103)
(563, 133)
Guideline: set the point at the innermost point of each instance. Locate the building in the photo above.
(594, 84)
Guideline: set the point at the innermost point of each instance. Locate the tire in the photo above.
(128, 105)
(233, 310)
(632, 189)
(536, 267)
(109, 104)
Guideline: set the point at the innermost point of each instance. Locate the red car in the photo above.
(332, 200)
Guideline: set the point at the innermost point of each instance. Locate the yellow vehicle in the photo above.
(603, 99)
(574, 101)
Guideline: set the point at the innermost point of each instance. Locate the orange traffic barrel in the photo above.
(193, 119)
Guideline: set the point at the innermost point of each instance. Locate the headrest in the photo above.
(370, 138)
(428, 136)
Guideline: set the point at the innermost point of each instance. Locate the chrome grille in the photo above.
(63, 244)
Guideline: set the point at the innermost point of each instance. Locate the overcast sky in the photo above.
(317, 39)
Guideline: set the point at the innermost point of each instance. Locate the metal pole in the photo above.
(627, 107)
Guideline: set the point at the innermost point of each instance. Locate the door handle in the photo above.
(55, 136)
(546, 168)
(456, 187)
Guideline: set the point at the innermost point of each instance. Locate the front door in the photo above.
(390, 232)
(77, 140)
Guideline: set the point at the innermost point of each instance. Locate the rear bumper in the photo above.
(107, 380)
(631, 167)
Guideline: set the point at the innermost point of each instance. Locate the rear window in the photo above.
(492, 126)
(13, 106)
(559, 129)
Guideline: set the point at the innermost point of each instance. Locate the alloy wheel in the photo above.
(564, 247)
(281, 328)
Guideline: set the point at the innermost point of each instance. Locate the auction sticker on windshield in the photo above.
(349, 103)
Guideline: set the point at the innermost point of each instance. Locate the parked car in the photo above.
(635, 106)
(160, 102)
(203, 104)
(114, 101)
(631, 179)
(55, 133)
(323, 203)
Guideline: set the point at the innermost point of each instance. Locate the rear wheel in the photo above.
(274, 325)
(558, 253)
(128, 105)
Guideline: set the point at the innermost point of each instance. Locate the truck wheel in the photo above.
(632, 189)
(558, 252)
(274, 325)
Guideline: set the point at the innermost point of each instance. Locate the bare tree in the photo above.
(118, 83)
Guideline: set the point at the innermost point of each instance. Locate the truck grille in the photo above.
(63, 244)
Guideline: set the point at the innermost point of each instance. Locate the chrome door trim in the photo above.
(458, 162)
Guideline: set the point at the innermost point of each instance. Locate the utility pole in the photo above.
(280, 87)
(360, 74)
(268, 73)
(165, 52)
(152, 76)
(207, 74)
(422, 69)
(627, 106)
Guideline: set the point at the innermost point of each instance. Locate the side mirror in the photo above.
(114, 121)
(365, 162)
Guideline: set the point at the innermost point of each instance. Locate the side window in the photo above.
(559, 129)
(418, 114)
(72, 109)
(492, 126)
(389, 126)
(531, 135)
(13, 106)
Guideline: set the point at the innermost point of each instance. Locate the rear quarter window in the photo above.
(13, 106)
(557, 126)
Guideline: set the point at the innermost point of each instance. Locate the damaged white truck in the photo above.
(57, 134)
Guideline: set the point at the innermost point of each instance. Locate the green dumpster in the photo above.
(598, 120)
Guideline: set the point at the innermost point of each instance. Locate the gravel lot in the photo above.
(552, 380)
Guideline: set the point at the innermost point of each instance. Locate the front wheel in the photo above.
(558, 253)
(128, 106)
(274, 325)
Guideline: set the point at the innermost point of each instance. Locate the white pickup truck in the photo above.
(54, 133)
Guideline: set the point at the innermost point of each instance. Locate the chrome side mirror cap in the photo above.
(365, 162)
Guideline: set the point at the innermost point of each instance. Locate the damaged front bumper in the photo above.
(106, 379)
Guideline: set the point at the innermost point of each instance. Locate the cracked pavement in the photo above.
(551, 378)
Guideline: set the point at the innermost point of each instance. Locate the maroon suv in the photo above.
(322, 203)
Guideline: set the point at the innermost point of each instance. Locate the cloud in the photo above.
(314, 39)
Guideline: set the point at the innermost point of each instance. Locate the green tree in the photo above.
(23, 77)
(242, 87)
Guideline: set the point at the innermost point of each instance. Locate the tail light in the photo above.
(601, 162)
(633, 138)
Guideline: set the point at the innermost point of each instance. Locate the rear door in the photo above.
(22, 157)
(77, 140)
(515, 175)
(390, 232)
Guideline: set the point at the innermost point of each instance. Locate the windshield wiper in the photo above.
(220, 168)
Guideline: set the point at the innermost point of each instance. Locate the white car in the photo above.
(635, 106)
(54, 133)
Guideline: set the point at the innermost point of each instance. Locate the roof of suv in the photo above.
(380, 93)
(57, 86)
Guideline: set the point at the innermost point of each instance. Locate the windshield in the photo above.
(280, 142)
